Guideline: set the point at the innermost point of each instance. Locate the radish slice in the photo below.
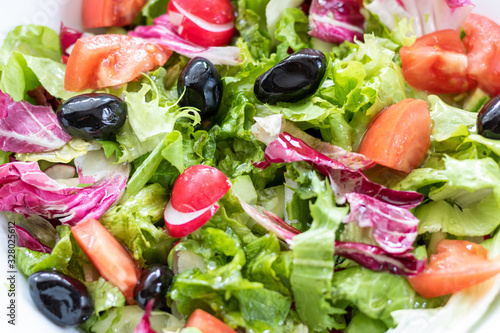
(179, 224)
(194, 199)
(61, 171)
(198, 187)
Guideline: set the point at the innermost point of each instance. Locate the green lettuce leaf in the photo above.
(104, 295)
(361, 323)
(313, 264)
(133, 222)
(354, 286)
(66, 257)
(4, 157)
(463, 203)
(251, 27)
(34, 40)
(292, 30)
(67, 153)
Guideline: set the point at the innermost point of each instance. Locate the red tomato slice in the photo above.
(110, 60)
(456, 265)
(108, 13)
(482, 40)
(207, 323)
(400, 136)
(198, 187)
(437, 63)
(108, 256)
(206, 23)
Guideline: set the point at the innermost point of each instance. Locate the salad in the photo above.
(256, 166)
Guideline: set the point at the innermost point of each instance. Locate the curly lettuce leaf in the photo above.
(354, 286)
(133, 222)
(313, 264)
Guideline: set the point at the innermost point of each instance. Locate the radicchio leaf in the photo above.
(368, 256)
(144, 326)
(26, 190)
(25, 239)
(68, 37)
(428, 15)
(287, 149)
(271, 222)
(376, 259)
(336, 21)
(267, 129)
(26, 128)
(394, 228)
(164, 33)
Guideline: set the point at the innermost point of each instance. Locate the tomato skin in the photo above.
(207, 323)
(456, 265)
(482, 40)
(109, 60)
(205, 23)
(400, 136)
(108, 256)
(198, 187)
(108, 13)
(437, 63)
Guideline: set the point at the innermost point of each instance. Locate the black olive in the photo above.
(203, 86)
(293, 78)
(92, 116)
(61, 298)
(154, 283)
(488, 119)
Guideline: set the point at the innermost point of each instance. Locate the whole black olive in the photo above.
(203, 86)
(61, 298)
(154, 283)
(92, 116)
(293, 78)
(488, 119)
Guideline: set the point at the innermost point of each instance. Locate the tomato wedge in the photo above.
(110, 60)
(482, 40)
(108, 13)
(400, 136)
(207, 323)
(205, 23)
(456, 265)
(108, 256)
(437, 63)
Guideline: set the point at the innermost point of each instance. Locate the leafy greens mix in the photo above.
(243, 274)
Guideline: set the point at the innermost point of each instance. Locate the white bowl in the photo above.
(50, 13)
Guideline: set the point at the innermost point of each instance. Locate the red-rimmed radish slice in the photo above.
(194, 199)
(180, 224)
(60, 171)
(206, 23)
(198, 187)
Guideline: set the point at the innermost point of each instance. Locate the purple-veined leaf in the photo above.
(271, 222)
(287, 149)
(267, 129)
(376, 259)
(428, 15)
(144, 326)
(27, 128)
(25, 239)
(394, 228)
(26, 190)
(336, 21)
(68, 37)
(368, 256)
(164, 33)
